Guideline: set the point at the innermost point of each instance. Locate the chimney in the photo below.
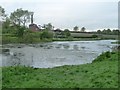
(31, 17)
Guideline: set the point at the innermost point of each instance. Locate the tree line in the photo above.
(109, 31)
(15, 25)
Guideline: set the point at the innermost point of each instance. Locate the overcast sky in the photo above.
(92, 14)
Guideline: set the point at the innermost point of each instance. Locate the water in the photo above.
(48, 55)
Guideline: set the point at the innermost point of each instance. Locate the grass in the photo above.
(102, 73)
(75, 39)
(6, 39)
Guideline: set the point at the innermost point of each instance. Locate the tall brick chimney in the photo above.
(31, 17)
(33, 26)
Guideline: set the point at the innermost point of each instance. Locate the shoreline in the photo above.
(72, 53)
(98, 59)
(62, 41)
(98, 74)
(36, 40)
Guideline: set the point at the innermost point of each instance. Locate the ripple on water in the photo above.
(56, 53)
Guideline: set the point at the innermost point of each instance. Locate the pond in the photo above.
(52, 54)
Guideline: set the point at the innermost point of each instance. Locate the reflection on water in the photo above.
(58, 46)
(66, 46)
(75, 47)
(53, 54)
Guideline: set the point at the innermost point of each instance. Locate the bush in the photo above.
(94, 36)
(107, 54)
(46, 34)
(70, 38)
(66, 33)
(8, 39)
(103, 56)
(36, 34)
(28, 38)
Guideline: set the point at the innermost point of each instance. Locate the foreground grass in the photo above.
(99, 74)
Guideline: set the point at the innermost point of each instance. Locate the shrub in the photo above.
(94, 36)
(66, 33)
(8, 39)
(107, 54)
(103, 56)
(28, 38)
(70, 38)
(46, 34)
(20, 31)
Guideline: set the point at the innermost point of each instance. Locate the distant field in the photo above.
(89, 35)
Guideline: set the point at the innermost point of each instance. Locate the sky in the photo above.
(91, 14)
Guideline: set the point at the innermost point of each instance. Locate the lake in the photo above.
(52, 54)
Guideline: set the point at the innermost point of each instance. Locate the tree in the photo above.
(20, 31)
(6, 26)
(116, 32)
(99, 31)
(67, 33)
(76, 28)
(83, 29)
(48, 26)
(46, 34)
(108, 31)
(20, 16)
(104, 31)
(2, 13)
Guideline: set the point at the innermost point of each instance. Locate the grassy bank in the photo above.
(102, 73)
(7, 39)
(35, 38)
(75, 39)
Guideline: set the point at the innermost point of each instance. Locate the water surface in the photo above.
(48, 55)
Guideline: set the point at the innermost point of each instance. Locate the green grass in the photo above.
(75, 39)
(99, 74)
(8, 39)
